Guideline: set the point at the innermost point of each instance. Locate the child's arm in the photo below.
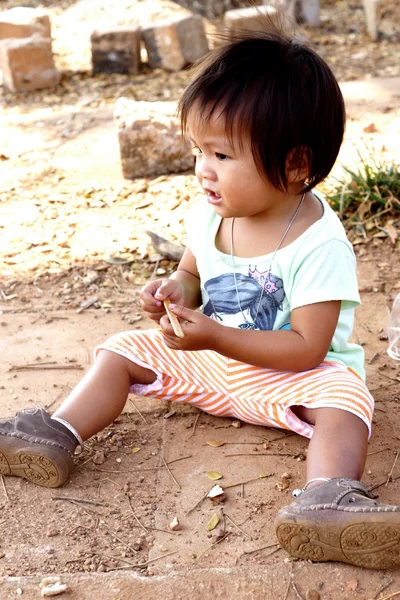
(302, 347)
(182, 288)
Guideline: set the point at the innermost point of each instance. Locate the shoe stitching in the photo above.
(365, 509)
(34, 440)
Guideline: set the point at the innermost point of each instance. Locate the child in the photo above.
(270, 264)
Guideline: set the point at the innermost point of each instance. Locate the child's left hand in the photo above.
(199, 330)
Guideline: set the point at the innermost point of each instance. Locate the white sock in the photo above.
(71, 428)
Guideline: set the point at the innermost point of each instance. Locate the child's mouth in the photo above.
(213, 198)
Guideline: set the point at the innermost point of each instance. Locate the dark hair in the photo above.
(276, 90)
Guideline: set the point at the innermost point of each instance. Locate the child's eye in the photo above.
(221, 156)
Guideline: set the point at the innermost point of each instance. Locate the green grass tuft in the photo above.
(369, 199)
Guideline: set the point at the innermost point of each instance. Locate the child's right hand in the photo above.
(153, 294)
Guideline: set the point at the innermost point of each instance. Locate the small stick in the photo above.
(263, 454)
(382, 588)
(212, 545)
(133, 512)
(378, 451)
(4, 488)
(258, 549)
(375, 487)
(122, 541)
(391, 470)
(78, 500)
(296, 591)
(176, 326)
(45, 368)
(237, 526)
(289, 581)
(242, 490)
(390, 596)
(177, 459)
(195, 424)
(170, 472)
(140, 566)
(248, 481)
(58, 396)
(140, 414)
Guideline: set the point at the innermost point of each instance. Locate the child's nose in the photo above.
(204, 168)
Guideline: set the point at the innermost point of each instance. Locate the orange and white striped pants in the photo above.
(225, 387)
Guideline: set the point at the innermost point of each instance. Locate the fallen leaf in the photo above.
(212, 523)
(392, 232)
(352, 584)
(134, 450)
(371, 128)
(213, 475)
(214, 443)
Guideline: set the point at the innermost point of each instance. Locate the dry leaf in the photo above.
(214, 443)
(134, 450)
(371, 128)
(213, 475)
(212, 523)
(392, 232)
(352, 584)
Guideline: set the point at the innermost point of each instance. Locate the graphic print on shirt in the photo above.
(250, 313)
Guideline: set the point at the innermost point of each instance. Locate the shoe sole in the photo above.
(42, 465)
(369, 540)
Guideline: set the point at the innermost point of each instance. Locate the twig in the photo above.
(140, 414)
(289, 581)
(391, 470)
(46, 368)
(237, 526)
(140, 566)
(78, 500)
(390, 596)
(378, 451)
(122, 541)
(382, 588)
(226, 487)
(242, 490)
(375, 487)
(195, 424)
(296, 591)
(177, 459)
(134, 514)
(258, 549)
(197, 504)
(263, 454)
(212, 545)
(3, 483)
(58, 396)
(170, 472)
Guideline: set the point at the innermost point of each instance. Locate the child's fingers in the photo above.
(176, 326)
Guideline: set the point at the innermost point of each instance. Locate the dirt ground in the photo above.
(74, 253)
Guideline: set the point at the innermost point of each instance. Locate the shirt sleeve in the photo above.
(326, 273)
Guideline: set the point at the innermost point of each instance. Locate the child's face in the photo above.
(227, 172)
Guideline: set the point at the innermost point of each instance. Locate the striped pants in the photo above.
(225, 387)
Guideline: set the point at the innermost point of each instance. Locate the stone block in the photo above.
(28, 64)
(23, 22)
(249, 18)
(174, 43)
(150, 139)
(116, 50)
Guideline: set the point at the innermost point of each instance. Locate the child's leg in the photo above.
(101, 395)
(338, 447)
(334, 517)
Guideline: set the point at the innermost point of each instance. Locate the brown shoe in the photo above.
(35, 447)
(340, 520)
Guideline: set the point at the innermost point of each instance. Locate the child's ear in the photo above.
(298, 164)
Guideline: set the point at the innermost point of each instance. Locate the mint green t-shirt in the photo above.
(319, 266)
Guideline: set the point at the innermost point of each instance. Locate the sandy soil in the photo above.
(66, 215)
